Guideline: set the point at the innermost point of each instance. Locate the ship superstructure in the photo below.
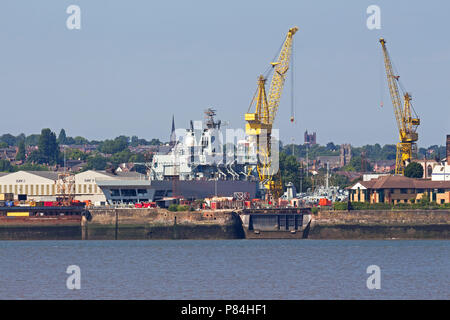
(201, 152)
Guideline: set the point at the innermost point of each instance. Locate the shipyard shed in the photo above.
(119, 191)
(45, 185)
(87, 184)
(39, 185)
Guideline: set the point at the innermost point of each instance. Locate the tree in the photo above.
(389, 151)
(339, 180)
(62, 137)
(121, 157)
(155, 142)
(5, 166)
(80, 140)
(140, 168)
(136, 157)
(48, 147)
(331, 146)
(134, 141)
(96, 162)
(35, 157)
(9, 139)
(21, 152)
(292, 172)
(113, 146)
(75, 154)
(32, 140)
(414, 170)
(31, 167)
(356, 162)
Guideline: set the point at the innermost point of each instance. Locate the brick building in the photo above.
(399, 189)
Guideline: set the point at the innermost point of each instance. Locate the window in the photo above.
(129, 192)
(115, 193)
(142, 192)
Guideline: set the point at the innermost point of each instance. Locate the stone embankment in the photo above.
(152, 223)
(381, 224)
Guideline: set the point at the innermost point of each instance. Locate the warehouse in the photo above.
(37, 185)
(132, 191)
(45, 185)
(101, 187)
(87, 184)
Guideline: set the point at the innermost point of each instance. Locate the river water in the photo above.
(225, 269)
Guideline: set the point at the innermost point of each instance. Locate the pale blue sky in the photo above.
(135, 63)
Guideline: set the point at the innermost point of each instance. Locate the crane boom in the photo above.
(281, 66)
(393, 87)
(259, 123)
(407, 125)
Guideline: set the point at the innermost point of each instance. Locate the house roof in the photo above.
(401, 182)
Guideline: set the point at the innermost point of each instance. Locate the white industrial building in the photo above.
(46, 185)
(38, 185)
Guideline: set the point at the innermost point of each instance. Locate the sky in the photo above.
(134, 64)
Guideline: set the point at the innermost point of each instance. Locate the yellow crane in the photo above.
(407, 124)
(259, 123)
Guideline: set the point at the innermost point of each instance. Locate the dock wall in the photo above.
(381, 224)
(152, 223)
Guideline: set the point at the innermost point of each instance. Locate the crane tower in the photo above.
(259, 123)
(406, 123)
